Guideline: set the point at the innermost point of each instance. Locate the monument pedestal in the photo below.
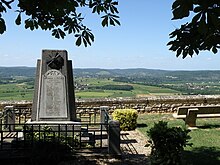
(64, 126)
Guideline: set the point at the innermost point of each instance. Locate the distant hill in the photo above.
(151, 74)
(17, 71)
(138, 73)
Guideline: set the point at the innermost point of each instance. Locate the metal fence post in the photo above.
(114, 138)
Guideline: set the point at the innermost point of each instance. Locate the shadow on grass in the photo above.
(202, 156)
(141, 125)
(209, 126)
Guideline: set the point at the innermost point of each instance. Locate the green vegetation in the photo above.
(16, 91)
(115, 87)
(200, 31)
(66, 19)
(206, 143)
(126, 117)
(100, 87)
(93, 94)
(17, 83)
(47, 147)
(167, 144)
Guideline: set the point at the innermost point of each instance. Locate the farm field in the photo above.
(23, 91)
(16, 92)
(95, 89)
(17, 83)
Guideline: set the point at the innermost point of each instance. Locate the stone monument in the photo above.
(54, 99)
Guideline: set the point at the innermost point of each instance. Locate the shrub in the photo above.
(47, 147)
(167, 143)
(126, 117)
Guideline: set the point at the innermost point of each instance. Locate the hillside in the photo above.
(17, 82)
(138, 73)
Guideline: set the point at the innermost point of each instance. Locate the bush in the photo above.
(167, 143)
(127, 118)
(46, 147)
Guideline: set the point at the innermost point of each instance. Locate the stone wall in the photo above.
(143, 105)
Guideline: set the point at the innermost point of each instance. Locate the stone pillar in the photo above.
(103, 116)
(114, 138)
(191, 117)
(54, 98)
(9, 118)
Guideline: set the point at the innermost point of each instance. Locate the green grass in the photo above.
(16, 92)
(139, 90)
(91, 94)
(205, 139)
(22, 91)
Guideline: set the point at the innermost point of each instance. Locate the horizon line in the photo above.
(121, 68)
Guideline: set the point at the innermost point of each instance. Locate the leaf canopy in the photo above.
(202, 33)
(61, 16)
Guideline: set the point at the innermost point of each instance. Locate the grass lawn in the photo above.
(205, 139)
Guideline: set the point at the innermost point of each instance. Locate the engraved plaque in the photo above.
(53, 95)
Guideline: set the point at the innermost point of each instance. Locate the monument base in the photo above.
(68, 126)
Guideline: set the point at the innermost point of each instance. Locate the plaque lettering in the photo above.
(53, 95)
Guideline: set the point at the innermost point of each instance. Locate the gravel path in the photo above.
(133, 150)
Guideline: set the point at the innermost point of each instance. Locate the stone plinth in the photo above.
(64, 126)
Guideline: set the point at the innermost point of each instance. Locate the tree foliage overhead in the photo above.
(61, 16)
(202, 33)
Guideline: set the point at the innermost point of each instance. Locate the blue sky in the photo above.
(140, 41)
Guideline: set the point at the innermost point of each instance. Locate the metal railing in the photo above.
(77, 136)
(91, 134)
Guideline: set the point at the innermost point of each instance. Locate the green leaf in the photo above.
(7, 3)
(170, 43)
(58, 33)
(85, 42)
(94, 9)
(196, 18)
(18, 19)
(2, 8)
(105, 21)
(79, 41)
(197, 9)
(175, 4)
(178, 52)
(214, 19)
(190, 51)
(214, 50)
(181, 8)
(112, 21)
(196, 50)
(203, 28)
(62, 33)
(116, 21)
(2, 26)
(185, 52)
(91, 36)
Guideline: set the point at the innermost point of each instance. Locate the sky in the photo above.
(140, 41)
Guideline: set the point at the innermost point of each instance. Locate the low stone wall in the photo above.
(154, 104)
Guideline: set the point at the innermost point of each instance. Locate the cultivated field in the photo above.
(94, 91)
